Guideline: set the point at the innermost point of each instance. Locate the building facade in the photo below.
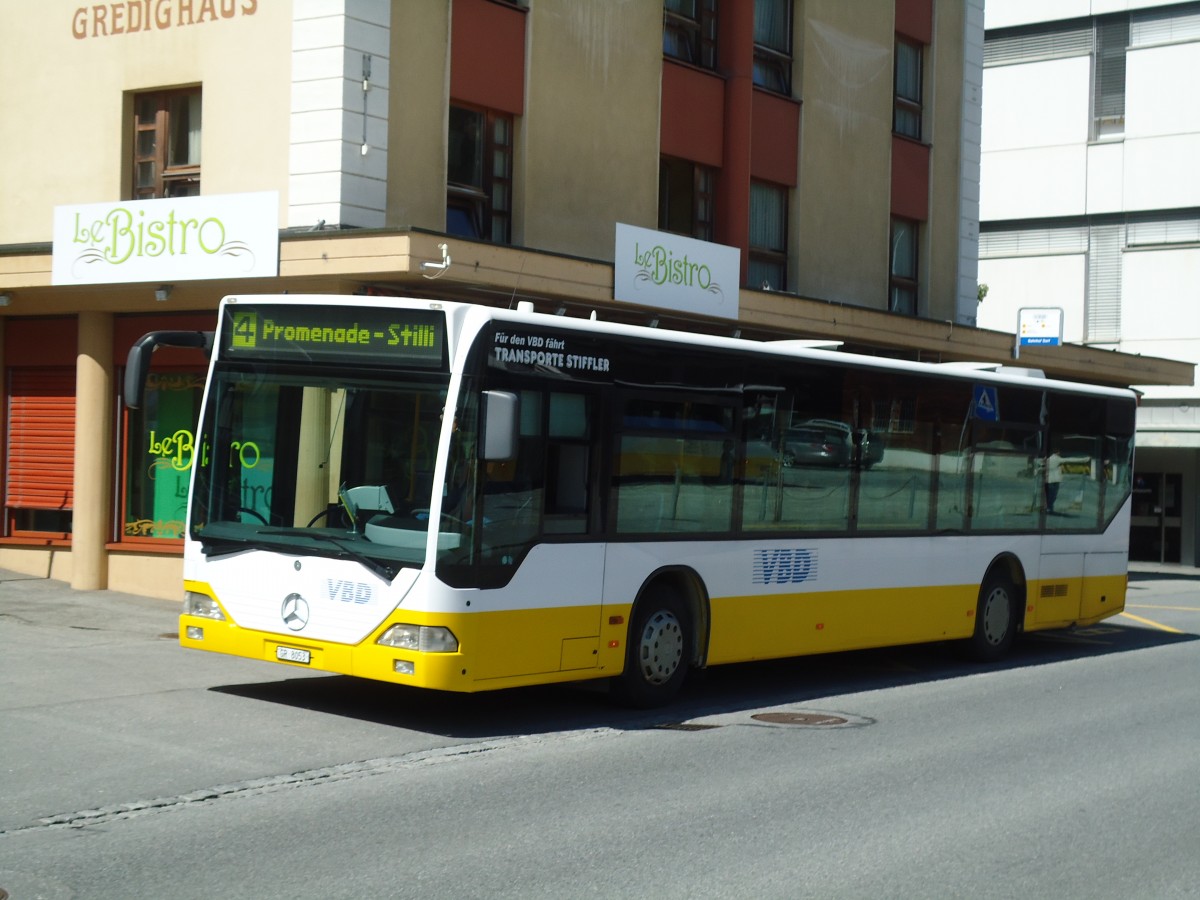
(477, 149)
(1091, 203)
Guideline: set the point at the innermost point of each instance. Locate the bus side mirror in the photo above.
(500, 425)
(137, 365)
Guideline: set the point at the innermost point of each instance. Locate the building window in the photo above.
(767, 267)
(1108, 94)
(166, 144)
(690, 31)
(160, 447)
(479, 175)
(773, 45)
(902, 295)
(906, 109)
(685, 198)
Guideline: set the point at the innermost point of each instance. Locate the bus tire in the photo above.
(995, 618)
(656, 651)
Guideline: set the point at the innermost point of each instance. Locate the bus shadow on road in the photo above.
(720, 690)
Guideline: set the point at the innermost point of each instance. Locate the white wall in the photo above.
(1035, 105)
(330, 179)
(1036, 118)
(1005, 13)
(1160, 308)
(1162, 127)
(1044, 281)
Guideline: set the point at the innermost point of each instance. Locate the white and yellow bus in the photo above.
(462, 498)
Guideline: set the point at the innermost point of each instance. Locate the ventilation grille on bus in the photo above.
(1053, 590)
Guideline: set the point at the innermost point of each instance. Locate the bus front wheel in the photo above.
(656, 652)
(995, 619)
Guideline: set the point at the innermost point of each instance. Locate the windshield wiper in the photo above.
(386, 572)
(231, 544)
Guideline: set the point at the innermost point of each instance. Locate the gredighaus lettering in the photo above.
(133, 16)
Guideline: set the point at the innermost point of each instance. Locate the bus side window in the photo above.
(512, 490)
(568, 459)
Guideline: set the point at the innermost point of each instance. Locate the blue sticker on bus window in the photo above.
(986, 403)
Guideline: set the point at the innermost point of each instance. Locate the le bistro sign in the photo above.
(174, 239)
(668, 271)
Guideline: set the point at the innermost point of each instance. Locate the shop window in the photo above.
(160, 445)
(479, 175)
(773, 45)
(166, 144)
(40, 470)
(685, 198)
(690, 31)
(768, 237)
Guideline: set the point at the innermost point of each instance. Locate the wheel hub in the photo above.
(996, 615)
(661, 648)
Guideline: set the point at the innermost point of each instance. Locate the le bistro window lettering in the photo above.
(161, 449)
(177, 451)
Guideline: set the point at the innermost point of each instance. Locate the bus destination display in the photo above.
(383, 336)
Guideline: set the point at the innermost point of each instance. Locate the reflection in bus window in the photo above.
(673, 470)
(1005, 480)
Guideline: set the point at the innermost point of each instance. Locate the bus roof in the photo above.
(469, 317)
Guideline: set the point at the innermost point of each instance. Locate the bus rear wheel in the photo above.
(656, 652)
(995, 619)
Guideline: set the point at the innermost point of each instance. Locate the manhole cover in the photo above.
(680, 726)
(809, 719)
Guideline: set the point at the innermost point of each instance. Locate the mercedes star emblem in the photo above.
(294, 612)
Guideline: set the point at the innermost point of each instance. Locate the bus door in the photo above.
(539, 544)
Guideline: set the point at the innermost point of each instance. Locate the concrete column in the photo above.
(93, 452)
(736, 48)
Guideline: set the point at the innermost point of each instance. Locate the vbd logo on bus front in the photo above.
(348, 591)
(784, 565)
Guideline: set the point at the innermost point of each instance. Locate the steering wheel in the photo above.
(454, 520)
(253, 512)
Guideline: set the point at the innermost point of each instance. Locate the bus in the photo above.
(465, 498)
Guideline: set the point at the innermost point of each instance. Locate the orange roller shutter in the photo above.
(41, 438)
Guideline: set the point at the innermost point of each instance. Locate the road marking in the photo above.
(1157, 625)
(1148, 606)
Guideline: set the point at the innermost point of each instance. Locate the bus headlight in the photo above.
(424, 638)
(202, 605)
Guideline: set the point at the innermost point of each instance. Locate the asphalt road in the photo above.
(130, 768)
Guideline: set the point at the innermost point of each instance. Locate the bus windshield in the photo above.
(318, 462)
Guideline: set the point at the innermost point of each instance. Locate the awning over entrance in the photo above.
(395, 261)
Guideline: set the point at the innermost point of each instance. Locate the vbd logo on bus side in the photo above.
(784, 565)
(348, 591)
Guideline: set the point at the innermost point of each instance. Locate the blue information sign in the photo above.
(985, 404)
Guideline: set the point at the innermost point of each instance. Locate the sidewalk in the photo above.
(1163, 570)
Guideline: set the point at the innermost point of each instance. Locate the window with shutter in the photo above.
(40, 470)
(1108, 89)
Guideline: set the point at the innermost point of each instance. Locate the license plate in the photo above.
(291, 654)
